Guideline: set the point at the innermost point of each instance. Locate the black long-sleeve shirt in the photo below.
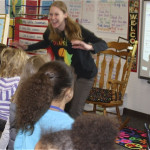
(81, 60)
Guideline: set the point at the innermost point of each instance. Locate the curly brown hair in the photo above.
(95, 132)
(59, 140)
(37, 93)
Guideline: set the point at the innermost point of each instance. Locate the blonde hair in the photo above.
(72, 29)
(12, 62)
(31, 67)
(33, 64)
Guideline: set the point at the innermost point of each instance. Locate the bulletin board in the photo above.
(29, 31)
(108, 19)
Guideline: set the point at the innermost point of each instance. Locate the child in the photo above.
(89, 132)
(31, 67)
(41, 102)
(12, 63)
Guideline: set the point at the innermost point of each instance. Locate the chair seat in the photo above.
(103, 96)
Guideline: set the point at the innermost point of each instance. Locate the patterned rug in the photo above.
(132, 139)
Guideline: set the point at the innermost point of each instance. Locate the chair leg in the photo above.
(118, 114)
(124, 123)
(105, 112)
(94, 108)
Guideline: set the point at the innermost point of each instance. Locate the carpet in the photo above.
(132, 139)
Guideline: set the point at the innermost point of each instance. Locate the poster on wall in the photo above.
(133, 27)
(107, 19)
(112, 18)
(14, 7)
(88, 18)
(29, 31)
(2, 10)
(4, 28)
(74, 9)
(44, 7)
(31, 9)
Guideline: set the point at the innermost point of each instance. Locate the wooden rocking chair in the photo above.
(110, 84)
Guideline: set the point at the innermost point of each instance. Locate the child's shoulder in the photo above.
(55, 118)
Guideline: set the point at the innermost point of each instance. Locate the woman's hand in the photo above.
(77, 44)
(19, 45)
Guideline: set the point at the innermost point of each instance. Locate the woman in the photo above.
(41, 101)
(74, 44)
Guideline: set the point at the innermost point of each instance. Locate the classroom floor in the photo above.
(137, 121)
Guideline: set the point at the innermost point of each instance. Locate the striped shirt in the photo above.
(8, 87)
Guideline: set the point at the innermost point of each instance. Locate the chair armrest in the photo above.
(116, 82)
(117, 86)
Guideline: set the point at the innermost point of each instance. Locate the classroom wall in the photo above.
(137, 95)
(138, 90)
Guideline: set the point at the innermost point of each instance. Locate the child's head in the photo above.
(60, 140)
(89, 132)
(50, 83)
(60, 76)
(31, 67)
(93, 131)
(12, 62)
(33, 64)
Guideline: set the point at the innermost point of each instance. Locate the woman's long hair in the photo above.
(72, 29)
(37, 93)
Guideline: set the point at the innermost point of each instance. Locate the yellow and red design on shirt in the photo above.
(62, 52)
(67, 57)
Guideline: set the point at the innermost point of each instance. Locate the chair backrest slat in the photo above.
(102, 75)
(97, 65)
(118, 67)
(111, 66)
